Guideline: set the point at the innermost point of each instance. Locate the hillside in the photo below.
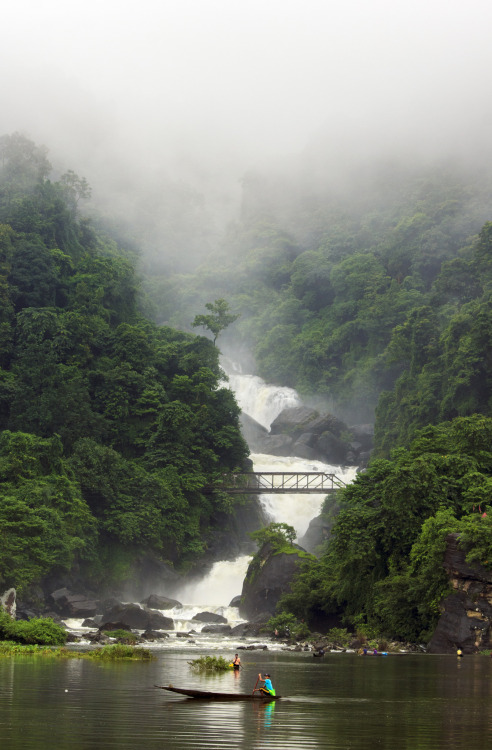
(110, 425)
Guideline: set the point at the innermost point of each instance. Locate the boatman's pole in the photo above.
(254, 689)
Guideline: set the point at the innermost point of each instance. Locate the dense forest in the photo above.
(376, 301)
(111, 427)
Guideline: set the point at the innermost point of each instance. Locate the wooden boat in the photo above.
(207, 695)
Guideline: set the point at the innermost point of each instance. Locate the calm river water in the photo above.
(339, 701)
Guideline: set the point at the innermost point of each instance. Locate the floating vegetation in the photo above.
(210, 664)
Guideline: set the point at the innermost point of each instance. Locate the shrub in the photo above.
(41, 630)
(210, 664)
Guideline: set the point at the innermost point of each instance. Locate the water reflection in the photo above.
(423, 702)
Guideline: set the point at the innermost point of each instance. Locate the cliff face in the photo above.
(269, 576)
(466, 619)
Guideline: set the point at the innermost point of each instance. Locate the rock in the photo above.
(303, 449)
(90, 622)
(293, 420)
(269, 576)
(222, 629)
(154, 635)
(252, 431)
(70, 604)
(154, 601)
(466, 619)
(328, 423)
(236, 601)
(277, 445)
(134, 616)
(8, 603)
(209, 617)
(364, 435)
(333, 449)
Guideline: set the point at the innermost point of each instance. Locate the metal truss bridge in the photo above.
(279, 482)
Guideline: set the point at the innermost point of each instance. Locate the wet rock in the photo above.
(154, 601)
(466, 619)
(332, 448)
(154, 635)
(236, 601)
(364, 435)
(92, 622)
(134, 616)
(293, 420)
(269, 576)
(219, 629)
(277, 445)
(209, 617)
(252, 431)
(70, 604)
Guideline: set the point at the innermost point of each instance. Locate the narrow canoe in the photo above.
(207, 695)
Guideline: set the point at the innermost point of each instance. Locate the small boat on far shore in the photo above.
(207, 695)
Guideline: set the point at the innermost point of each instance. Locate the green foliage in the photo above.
(210, 664)
(110, 426)
(218, 319)
(339, 636)
(286, 625)
(384, 565)
(279, 535)
(125, 636)
(40, 630)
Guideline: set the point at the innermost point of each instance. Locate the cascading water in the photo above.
(263, 402)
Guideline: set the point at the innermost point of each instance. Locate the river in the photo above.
(341, 701)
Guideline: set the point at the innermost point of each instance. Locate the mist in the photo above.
(165, 106)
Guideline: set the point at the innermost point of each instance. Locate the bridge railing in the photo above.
(280, 482)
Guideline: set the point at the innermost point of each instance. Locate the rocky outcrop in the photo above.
(269, 576)
(209, 617)
(8, 602)
(154, 601)
(304, 432)
(466, 619)
(70, 604)
(133, 616)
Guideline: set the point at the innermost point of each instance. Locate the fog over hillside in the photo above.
(165, 106)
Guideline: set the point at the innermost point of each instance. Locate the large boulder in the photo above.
(70, 604)
(8, 603)
(209, 617)
(466, 619)
(293, 421)
(218, 629)
(154, 601)
(252, 431)
(269, 576)
(134, 616)
(277, 445)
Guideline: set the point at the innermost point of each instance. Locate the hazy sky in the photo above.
(233, 82)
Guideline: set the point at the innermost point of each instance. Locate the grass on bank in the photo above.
(106, 653)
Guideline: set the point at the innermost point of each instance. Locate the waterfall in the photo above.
(263, 402)
(259, 400)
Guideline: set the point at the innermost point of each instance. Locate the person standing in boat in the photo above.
(267, 688)
(236, 663)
